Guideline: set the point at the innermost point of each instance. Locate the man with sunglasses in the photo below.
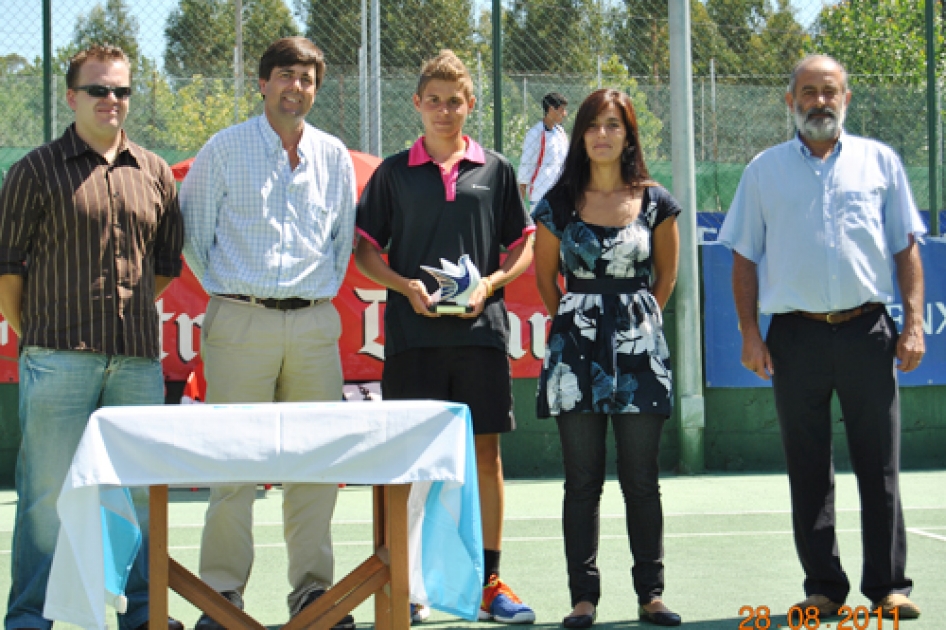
(90, 235)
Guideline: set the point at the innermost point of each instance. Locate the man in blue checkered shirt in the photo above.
(269, 210)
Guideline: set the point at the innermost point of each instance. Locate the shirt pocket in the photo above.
(861, 221)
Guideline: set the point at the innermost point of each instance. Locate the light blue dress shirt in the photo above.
(823, 232)
(254, 226)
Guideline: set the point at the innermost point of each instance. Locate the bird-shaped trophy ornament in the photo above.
(457, 283)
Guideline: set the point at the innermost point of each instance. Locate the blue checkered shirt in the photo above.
(254, 226)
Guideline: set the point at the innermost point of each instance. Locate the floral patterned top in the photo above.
(606, 352)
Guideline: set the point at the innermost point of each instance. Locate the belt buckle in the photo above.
(830, 315)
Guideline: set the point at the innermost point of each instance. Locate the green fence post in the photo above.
(932, 116)
(47, 70)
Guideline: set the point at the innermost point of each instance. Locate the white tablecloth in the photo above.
(367, 443)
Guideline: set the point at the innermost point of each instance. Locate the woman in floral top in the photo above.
(612, 233)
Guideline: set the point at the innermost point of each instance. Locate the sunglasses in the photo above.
(101, 91)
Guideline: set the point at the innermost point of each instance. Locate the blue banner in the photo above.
(723, 343)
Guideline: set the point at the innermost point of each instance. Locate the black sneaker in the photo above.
(347, 622)
(207, 623)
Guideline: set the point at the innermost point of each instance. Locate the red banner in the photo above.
(360, 302)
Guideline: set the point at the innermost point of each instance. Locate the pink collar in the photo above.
(418, 154)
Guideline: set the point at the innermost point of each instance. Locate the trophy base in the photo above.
(449, 309)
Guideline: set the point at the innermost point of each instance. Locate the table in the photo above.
(419, 455)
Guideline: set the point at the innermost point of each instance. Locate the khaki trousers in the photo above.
(254, 354)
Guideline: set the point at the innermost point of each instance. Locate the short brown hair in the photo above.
(447, 67)
(289, 51)
(103, 52)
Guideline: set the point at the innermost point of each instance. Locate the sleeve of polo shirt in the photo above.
(169, 239)
(901, 217)
(516, 222)
(743, 230)
(530, 155)
(201, 196)
(343, 227)
(373, 220)
(20, 200)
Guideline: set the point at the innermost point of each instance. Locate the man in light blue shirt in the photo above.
(269, 211)
(819, 227)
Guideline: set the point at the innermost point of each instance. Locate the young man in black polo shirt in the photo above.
(445, 197)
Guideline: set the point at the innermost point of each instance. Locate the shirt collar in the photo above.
(273, 143)
(806, 152)
(73, 145)
(418, 153)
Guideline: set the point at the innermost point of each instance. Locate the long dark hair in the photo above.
(568, 192)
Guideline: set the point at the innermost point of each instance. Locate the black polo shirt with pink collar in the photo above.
(423, 213)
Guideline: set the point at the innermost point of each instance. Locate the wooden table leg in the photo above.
(158, 558)
(382, 598)
(397, 541)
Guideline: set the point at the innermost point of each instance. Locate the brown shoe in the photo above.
(826, 607)
(900, 603)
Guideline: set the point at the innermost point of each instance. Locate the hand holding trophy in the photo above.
(457, 284)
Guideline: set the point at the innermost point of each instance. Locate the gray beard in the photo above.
(819, 129)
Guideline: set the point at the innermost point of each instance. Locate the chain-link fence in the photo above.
(187, 87)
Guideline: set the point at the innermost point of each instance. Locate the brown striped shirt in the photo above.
(89, 238)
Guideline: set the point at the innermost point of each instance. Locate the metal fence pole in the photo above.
(688, 361)
(932, 116)
(47, 70)
(363, 81)
(237, 60)
(498, 75)
(376, 147)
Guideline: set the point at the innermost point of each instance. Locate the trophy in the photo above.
(457, 283)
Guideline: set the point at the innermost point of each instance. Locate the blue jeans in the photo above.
(59, 390)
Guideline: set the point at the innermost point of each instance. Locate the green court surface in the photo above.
(728, 549)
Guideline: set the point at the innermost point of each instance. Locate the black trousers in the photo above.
(637, 437)
(856, 360)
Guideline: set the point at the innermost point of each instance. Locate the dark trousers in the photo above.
(583, 448)
(856, 359)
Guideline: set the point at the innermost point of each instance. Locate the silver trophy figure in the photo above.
(457, 283)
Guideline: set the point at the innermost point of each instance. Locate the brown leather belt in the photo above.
(839, 317)
(285, 304)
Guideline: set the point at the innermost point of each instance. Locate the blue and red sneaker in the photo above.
(502, 605)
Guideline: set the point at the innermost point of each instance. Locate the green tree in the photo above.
(556, 36)
(777, 46)
(411, 30)
(108, 24)
(196, 111)
(200, 36)
(415, 30)
(334, 26)
(21, 96)
(883, 40)
(13, 64)
(643, 41)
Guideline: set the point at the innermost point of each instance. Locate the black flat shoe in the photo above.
(662, 618)
(579, 621)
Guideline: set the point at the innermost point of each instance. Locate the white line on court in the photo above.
(738, 534)
(557, 517)
(920, 532)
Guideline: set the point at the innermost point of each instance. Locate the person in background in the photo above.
(90, 235)
(612, 233)
(544, 149)
(819, 227)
